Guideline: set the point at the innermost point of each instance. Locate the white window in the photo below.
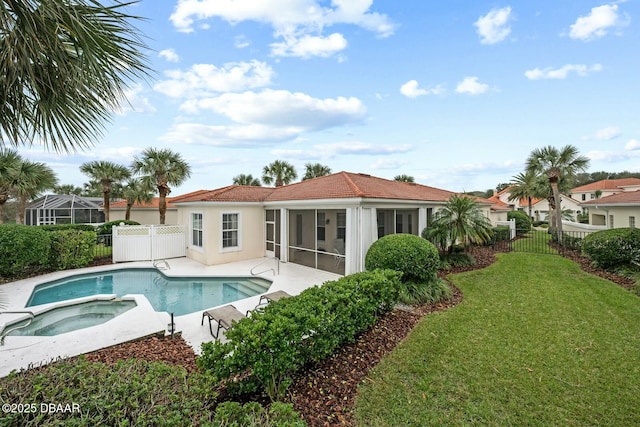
(230, 231)
(341, 226)
(196, 230)
(611, 225)
(321, 229)
(632, 222)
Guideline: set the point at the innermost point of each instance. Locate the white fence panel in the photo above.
(512, 227)
(169, 242)
(148, 242)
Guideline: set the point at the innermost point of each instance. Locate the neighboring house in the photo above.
(539, 207)
(147, 213)
(327, 223)
(499, 209)
(604, 188)
(64, 209)
(615, 211)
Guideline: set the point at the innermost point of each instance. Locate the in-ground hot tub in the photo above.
(60, 320)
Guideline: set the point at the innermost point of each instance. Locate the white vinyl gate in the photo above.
(148, 242)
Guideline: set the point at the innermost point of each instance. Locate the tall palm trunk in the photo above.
(22, 207)
(162, 202)
(127, 214)
(105, 205)
(554, 176)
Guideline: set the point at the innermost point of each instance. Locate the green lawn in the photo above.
(536, 241)
(536, 341)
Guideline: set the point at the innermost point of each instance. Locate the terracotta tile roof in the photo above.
(623, 198)
(340, 185)
(231, 193)
(354, 185)
(122, 204)
(498, 205)
(607, 184)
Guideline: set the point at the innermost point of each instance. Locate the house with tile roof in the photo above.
(539, 207)
(618, 210)
(604, 188)
(327, 223)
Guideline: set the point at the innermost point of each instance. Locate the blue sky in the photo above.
(455, 93)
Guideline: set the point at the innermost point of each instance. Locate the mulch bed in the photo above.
(324, 394)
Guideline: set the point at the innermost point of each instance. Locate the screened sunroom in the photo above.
(64, 209)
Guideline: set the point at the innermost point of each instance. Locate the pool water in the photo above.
(180, 295)
(71, 318)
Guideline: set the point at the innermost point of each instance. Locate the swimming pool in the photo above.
(178, 295)
(71, 318)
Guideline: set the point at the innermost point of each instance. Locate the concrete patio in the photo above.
(21, 352)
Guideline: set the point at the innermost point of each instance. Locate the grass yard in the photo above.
(535, 341)
(536, 241)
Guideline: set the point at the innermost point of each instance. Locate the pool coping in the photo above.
(21, 352)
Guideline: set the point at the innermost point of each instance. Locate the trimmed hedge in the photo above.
(131, 393)
(416, 258)
(72, 248)
(612, 248)
(23, 249)
(59, 227)
(107, 226)
(264, 350)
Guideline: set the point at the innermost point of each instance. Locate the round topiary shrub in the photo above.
(416, 258)
(523, 222)
(612, 248)
(107, 226)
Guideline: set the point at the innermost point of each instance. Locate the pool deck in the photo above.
(21, 352)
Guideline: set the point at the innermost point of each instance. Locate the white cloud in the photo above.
(493, 27)
(562, 72)
(299, 22)
(135, 102)
(350, 148)
(632, 145)
(241, 42)
(280, 108)
(597, 23)
(308, 46)
(228, 136)
(169, 54)
(607, 133)
(471, 86)
(411, 90)
(207, 79)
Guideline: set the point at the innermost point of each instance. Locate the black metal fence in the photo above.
(541, 242)
(103, 247)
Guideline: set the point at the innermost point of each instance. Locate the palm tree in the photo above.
(9, 163)
(160, 169)
(524, 186)
(32, 178)
(404, 178)
(243, 179)
(64, 66)
(135, 192)
(280, 172)
(107, 174)
(315, 170)
(67, 189)
(558, 166)
(459, 220)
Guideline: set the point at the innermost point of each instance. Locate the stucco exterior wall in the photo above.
(145, 216)
(620, 216)
(251, 236)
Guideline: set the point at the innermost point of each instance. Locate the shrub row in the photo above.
(26, 250)
(613, 248)
(523, 222)
(264, 350)
(134, 392)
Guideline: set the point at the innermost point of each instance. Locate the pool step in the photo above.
(250, 288)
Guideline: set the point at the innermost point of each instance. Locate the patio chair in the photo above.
(223, 316)
(338, 257)
(271, 296)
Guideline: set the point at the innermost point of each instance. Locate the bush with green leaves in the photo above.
(106, 228)
(416, 258)
(612, 248)
(72, 248)
(58, 227)
(233, 414)
(500, 233)
(263, 351)
(23, 250)
(130, 393)
(523, 222)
